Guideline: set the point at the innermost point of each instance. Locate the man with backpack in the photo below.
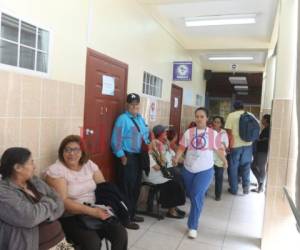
(243, 129)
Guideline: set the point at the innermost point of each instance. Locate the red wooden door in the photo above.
(176, 105)
(103, 103)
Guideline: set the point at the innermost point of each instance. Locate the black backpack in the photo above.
(248, 127)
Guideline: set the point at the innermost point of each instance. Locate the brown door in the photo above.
(175, 110)
(104, 101)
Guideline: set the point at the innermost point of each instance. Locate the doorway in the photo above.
(105, 96)
(176, 107)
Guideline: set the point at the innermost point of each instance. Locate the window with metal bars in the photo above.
(152, 85)
(23, 45)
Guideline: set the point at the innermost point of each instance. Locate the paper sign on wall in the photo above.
(152, 111)
(176, 101)
(108, 85)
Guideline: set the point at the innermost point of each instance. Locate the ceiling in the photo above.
(219, 86)
(243, 40)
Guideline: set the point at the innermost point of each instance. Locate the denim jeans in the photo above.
(196, 185)
(240, 162)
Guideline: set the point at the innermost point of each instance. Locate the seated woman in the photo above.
(75, 177)
(171, 192)
(29, 208)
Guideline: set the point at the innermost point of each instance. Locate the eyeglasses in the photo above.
(70, 150)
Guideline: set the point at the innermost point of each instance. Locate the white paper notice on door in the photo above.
(108, 85)
(176, 102)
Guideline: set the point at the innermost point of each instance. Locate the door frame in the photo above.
(181, 96)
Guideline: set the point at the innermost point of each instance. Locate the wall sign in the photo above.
(152, 110)
(182, 71)
(108, 85)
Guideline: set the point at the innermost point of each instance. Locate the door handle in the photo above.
(89, 131)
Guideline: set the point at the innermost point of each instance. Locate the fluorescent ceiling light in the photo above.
(242, 93)
(236, 87)
(239, 80)
(220, 20)
(230, 58)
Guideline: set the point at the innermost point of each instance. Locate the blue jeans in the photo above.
(240, 162)
(196, 185)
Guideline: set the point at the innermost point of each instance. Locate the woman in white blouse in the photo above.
(75, 177)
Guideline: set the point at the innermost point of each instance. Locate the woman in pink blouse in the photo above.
(75, 178)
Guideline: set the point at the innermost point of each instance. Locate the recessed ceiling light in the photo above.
(220, 20)
(230, 58)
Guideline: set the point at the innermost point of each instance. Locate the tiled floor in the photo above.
(234, 223)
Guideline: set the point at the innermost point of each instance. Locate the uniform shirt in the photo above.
(225, 142)
(126, 137)
(233, 123)
(199, 155)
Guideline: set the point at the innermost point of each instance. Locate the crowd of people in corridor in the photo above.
(75, 202)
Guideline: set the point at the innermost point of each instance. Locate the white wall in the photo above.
(121, 29)
(67, 22)
(124, 30)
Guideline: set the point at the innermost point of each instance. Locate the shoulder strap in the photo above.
(135, 124)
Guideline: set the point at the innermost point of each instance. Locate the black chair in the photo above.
(153, 195)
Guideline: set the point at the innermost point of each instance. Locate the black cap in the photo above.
(158, 130)
(238, 104)
(133, 97)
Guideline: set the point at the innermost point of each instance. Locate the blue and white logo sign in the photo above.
(182, 71)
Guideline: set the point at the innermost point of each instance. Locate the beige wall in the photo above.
(38, 113)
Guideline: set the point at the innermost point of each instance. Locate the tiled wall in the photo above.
(281, 172)
(37, 113)
(163, 113)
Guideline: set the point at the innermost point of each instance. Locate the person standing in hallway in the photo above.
(240, 151)
(259, 163)
(218, 125)
(200, 143)
(130, 132)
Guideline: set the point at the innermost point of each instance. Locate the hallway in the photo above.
(234, 223)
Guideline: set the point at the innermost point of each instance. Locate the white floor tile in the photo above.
(209, 236)
(241, 241)
(153, 241)
(134, 235)
(188, 244)
(172, 227)
(234, 223)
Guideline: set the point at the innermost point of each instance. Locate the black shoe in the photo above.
(254, 190)
(132, 225)
(180, 212)
(229, 190)
(138, 219)
(246, 190)
(178, 216)
(260, 188)
(253, 184)
(218, 198)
